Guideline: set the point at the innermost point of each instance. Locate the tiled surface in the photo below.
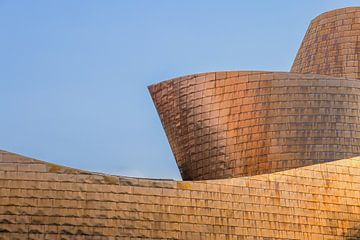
(45, 201)
(331, 45)
(221, 125)
(232, 124)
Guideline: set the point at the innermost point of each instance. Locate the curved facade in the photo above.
(233, 124)
(46, 201)
(264, 148)
(331, 45)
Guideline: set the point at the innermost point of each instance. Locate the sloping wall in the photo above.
(45, 201)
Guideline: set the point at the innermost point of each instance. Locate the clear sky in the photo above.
(74, 74)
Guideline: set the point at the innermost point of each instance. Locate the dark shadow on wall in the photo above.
(353, 233)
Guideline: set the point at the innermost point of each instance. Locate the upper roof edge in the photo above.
(151, 86)
(336, 12)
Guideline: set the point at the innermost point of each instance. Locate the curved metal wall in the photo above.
(232, 124)
(43, 201)
(331, 45)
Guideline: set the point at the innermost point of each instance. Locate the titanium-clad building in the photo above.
(263, 155)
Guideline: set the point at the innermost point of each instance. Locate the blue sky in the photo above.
(74, 74)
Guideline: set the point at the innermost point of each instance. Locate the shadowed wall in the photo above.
(232, 124)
